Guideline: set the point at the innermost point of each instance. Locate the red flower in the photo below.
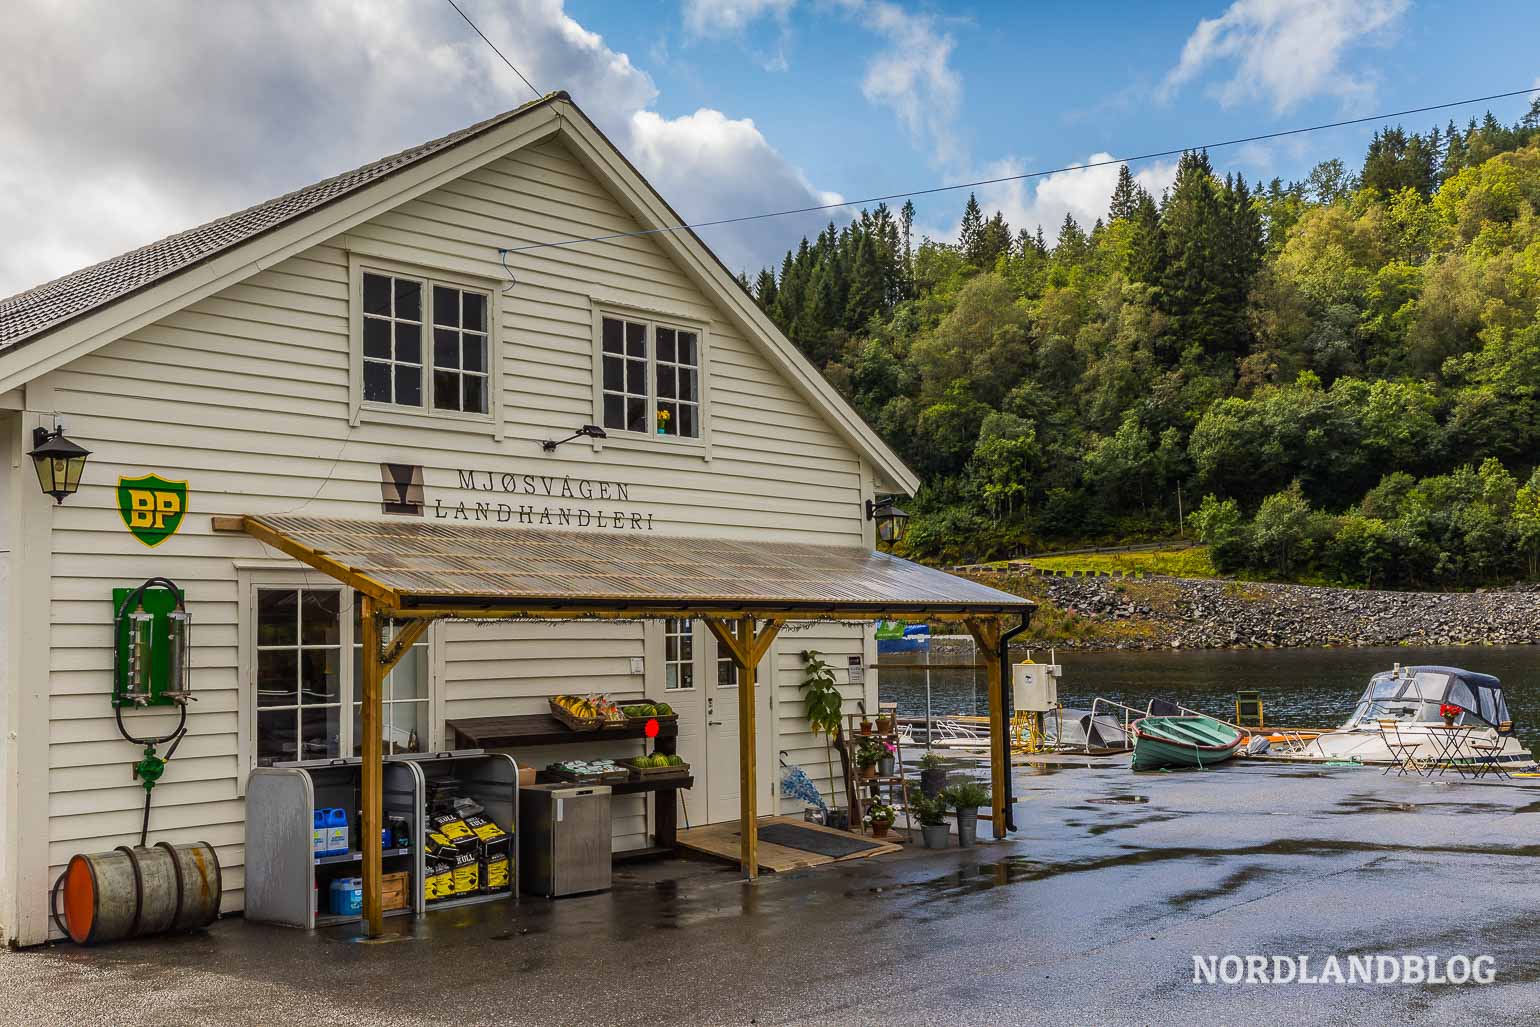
(1449, 710)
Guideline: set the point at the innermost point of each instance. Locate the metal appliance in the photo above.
(564, 839)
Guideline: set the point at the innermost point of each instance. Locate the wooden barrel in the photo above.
(130, 892)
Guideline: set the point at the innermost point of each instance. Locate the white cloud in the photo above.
(730, 17)
(914, 77)
(126, 123)
(1085, 192)
(1284, 51)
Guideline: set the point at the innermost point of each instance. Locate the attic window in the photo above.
(650, 377)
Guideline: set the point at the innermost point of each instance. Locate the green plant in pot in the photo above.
(932, 774)
(868, 754)
(823, 715)
(966, 795)
(879, 817)
(930, 811)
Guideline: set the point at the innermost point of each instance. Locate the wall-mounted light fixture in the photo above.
(58, 461)
(891, 521)
(588, 431)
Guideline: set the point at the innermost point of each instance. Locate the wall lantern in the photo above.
(59, 462)
(590, 431)
(891, 521)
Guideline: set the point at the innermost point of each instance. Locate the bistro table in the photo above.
(1449, 746)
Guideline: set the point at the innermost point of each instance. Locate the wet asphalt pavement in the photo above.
(1091, 915)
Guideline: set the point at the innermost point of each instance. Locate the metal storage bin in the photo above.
(564, 841)
(492, 779)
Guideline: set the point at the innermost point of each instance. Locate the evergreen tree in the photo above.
(1125, 196)
(1192, 223)
(971, 234)
(1147, 244)
(994, 240)
(906, 217)
(764, 290)
(1072, 245)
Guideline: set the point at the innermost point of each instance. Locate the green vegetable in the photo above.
(673, 761)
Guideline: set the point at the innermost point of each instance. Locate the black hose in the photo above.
(1007, 700)
(144, 828)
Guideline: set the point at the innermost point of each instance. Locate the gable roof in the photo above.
(80, 312)
(43, 308)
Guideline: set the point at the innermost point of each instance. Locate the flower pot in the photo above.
(868, 773)
(885, 767)
(1449, 722)
(884, 725)
(839, 819)
(933, 781)
(880, 830)
(866, 727)
(935, 836)
(967, 827)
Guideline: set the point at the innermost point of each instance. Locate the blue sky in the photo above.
(729, 107)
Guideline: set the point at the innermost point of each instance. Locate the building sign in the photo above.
(401, 489)
(543, 501)
(152, 507)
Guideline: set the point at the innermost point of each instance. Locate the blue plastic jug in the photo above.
(347, 896)
(320, 836)
(337, 831)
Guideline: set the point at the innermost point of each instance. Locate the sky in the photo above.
(125, 122)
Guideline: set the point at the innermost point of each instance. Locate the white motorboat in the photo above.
(1399, 720)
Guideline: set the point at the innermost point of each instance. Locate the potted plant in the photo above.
(823, 715)
(930, 811)
(1448, 711)
(885, 761)
(866, 725)
(868, 753)
(966, 795)
(879, 817)
(932, 775)
(884, 723)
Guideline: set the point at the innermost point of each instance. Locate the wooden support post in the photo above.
(746, 647)
(987, 634)
(372, 789)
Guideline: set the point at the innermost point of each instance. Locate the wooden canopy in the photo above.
(420, 571)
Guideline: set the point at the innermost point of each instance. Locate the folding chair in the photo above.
(1489, 751)
(1401, 750)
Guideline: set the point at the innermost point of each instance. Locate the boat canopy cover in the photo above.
(1481, 695)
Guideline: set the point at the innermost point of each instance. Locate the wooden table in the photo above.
(532, 729)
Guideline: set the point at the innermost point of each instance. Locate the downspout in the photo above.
(1007, 697)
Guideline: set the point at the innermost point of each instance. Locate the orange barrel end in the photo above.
(101, 898)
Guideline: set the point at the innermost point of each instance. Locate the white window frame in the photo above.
(257, 575)
(426, 415)
(621, 438)
(682, 629)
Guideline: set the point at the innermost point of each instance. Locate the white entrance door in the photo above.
(722, 768)
(682, 690)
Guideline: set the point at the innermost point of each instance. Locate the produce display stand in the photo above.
(282, 870)
(539, 729)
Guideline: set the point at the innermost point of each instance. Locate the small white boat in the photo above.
(1399, 720)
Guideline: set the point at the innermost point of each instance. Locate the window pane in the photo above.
(614, 412)
(668, 425)
(665, 382)
(614, 374)
(409, 678)
(475, 312)
(689, 425)
(320, 622)
(687, 385)
(446, 306)
(474, 348)
(277, 677)
(475, 394)
(636, 377)
(377, 295)
(376, 382)
(409, 386)
(612, 336)
(446, 390)
(275, 737)
(446, 348)
(376, 338)
(409, 343)
(687, 348)
(277, 616)
(319, 678)
(666, 344)
(636, 339)
(319, 731)
(408, 299)
(405, 726)
(636, 414)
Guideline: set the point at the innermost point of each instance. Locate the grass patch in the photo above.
(1192, 562)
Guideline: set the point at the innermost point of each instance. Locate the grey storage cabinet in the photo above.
(565, 845)
(490, 778)
(283, 872)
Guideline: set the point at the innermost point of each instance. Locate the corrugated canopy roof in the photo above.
(468, 568)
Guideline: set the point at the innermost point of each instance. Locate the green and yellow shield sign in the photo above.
(152, 507)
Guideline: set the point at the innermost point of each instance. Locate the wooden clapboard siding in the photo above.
(245, 394)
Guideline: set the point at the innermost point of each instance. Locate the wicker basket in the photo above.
(591, 779)
(574, 722)
(647, 773)
(661, 718)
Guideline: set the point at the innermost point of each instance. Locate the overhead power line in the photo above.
(1262, 137)
(495, 50)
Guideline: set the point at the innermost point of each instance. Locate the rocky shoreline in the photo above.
(1101, 612)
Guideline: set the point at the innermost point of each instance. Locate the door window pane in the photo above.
(678, 654)
(403, 694)
(298, 670)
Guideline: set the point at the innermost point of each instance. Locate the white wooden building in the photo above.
(365, 348)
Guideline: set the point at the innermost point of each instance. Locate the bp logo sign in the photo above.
(152, 507)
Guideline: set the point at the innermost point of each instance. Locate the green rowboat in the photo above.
(1182, 742)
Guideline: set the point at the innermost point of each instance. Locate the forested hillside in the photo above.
(1340, 377)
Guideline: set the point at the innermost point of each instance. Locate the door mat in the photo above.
(821, 842)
